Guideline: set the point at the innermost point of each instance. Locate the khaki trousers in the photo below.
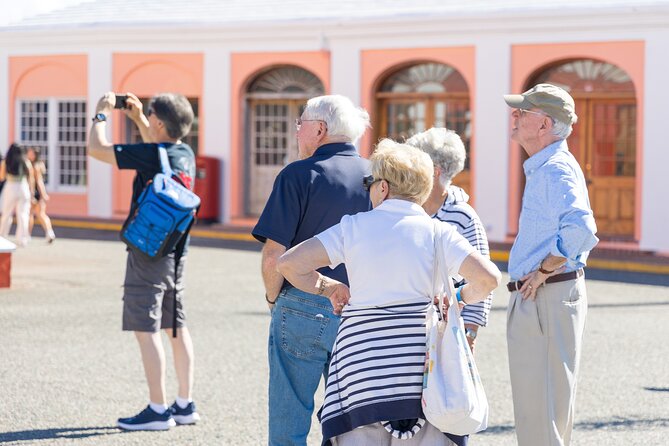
(376, 435)
(544, 339)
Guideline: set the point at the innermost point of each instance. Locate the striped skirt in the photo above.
(376, 372)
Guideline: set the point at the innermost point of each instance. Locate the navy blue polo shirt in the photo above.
(312, 195)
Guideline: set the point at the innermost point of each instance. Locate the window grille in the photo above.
(72, 143)
(59, 128)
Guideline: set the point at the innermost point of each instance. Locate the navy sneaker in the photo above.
(148, 420)
(187, 415)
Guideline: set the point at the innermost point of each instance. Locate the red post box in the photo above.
(207, 187)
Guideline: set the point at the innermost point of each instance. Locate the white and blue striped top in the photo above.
(457, 212)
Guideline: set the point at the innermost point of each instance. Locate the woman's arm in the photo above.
(299, 264)
(482, 278)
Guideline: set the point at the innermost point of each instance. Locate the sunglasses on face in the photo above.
(368, 181)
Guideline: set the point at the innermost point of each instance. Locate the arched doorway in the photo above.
(415, 98)
(274, 100)
(604, 139)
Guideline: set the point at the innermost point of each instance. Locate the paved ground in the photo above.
(67, 371)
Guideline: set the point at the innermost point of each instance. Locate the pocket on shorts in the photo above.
(301, 334)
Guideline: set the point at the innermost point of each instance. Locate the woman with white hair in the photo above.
(375, 379)
(449, 203)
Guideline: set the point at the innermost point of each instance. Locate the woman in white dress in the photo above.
(374, 385)
(17, 172)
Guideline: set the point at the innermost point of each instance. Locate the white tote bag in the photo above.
(453, 397)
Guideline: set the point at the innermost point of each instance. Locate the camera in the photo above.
(121, 101)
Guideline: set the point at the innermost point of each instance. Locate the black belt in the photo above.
(515, 286)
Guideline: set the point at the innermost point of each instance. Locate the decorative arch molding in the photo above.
(422, 77)
(245, 68)
(585, 76)
(528, 61)
(285, 80)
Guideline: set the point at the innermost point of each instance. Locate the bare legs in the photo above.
(39, 211)
(153, 358)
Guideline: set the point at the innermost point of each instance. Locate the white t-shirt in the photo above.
(389, 252)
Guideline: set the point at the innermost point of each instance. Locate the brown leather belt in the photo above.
(515, 286)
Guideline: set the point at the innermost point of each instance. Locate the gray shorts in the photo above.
(148, 294)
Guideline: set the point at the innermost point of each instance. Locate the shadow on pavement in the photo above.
(621, 423)
(55, 433)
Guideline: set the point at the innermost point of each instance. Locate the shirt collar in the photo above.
(336, 148)
(403, 206)
(539, 159)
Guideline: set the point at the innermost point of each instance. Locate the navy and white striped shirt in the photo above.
(457, 212)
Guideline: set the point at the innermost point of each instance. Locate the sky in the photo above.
(15, 10)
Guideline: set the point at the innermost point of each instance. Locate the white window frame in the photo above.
(53, 155)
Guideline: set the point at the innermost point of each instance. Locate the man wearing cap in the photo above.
(548, 304)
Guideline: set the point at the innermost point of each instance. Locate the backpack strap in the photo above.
(165, 161)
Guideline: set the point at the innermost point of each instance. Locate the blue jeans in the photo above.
(301, 335)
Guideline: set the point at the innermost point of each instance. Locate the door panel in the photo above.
(273, 145)
(611, 166)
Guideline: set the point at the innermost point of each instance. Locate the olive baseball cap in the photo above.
(552, 100)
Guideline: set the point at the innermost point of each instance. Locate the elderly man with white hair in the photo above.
(309, 196)
(449, 203)
(548, 302)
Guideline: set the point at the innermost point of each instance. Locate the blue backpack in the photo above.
(165, 212)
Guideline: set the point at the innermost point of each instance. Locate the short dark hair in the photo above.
(174, 111)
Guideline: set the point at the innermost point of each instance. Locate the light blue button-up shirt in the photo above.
(555, 217)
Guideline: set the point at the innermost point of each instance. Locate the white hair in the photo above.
(342, 117)
(561, 129)
(446, 150)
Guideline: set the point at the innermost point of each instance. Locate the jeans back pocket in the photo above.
(301, 334)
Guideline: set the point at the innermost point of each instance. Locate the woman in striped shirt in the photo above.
(449, 203)
(374, 385)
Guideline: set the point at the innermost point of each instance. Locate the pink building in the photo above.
(249, 68)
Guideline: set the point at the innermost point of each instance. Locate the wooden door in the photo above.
(604, 143)
(273, 145)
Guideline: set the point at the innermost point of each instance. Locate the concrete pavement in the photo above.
(67, 371)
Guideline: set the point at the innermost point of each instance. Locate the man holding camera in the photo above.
(148, 303)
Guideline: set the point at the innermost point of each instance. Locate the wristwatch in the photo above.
(100, 117)
(471, 333)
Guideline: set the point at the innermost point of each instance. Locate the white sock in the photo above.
(183, 402)
(158, 408)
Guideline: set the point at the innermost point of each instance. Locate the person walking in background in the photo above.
(40, 196)
(309, 196)
(148, 305)
(448, 203)
(548, 304)
(375, 382)
(17, 172)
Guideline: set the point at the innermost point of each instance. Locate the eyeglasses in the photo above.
(299, 121)
(369, 180)
(522, 111)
